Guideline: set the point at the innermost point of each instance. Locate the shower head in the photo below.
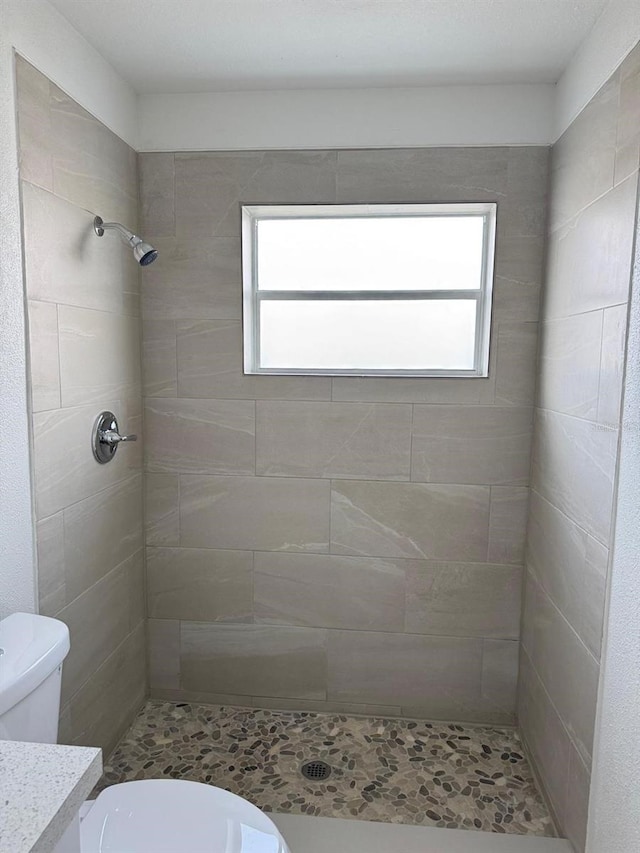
(144, 253)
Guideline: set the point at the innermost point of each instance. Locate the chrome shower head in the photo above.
(144, 253)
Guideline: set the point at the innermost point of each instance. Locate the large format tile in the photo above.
(99, 356)
(157, 183)
(329, 591)
(518, 279)
(569, 366)
(52, 595)
(64, 478)
(409, 520)
(197, 278)
(200, 585)
(254, 513)
(73, 266)
(33, 93)
(162, 509)
(570, 566)
(159, 360)
(101, 532)
(355, 440)
(574, 467)
(463, 599)
(544, 735)
(422, 175)
(409, 669)
(499, 683)
(210, 365)
(99, 620)
(44, 361)
(254, 659)
(517, 346)
(210, 187)
(628, 136)
(398, 389)
(567, 669)
(614, 337)
(589, 259)
(164, 654)
(200, 436)
(92, 167)
(102, 710)
(508, 524)
(583, 159)
(465, 444)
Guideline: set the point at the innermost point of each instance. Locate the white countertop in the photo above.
(42, 787)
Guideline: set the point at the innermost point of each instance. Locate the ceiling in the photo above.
(163, 46)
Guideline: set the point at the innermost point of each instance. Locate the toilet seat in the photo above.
(174, 816)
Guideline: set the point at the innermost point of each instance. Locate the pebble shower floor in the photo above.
(395, 771)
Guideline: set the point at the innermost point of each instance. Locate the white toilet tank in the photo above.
(32, 649)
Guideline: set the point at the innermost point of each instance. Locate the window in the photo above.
(391, 290)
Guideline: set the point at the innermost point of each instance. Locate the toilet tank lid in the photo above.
(32, 647)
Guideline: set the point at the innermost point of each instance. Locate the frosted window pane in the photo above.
(368, 335)
(393, 253)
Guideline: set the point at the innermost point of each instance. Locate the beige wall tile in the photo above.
(197, 278)
(254, 513)
(164, 654)
(545, 735)
(200, 436)
(517, 345)
(570, 364)
(52, 595)
(65, 478)
(157, 180)
(577, 803)
(98, 620)
(463, 599)
(508, 524)
(254, 659)
(589, 259)
(571, 567)
(159, 360)
(582, 162)
(326, 707)
(628, 135)
(105, 706)
(329, 591)
(100, 532)
(464, 444)
(210, 187)
(614, 336)
(500, 679)
(518, 278)
(99, 356)
(400, 390)
(406, 669)
(422, 175)
(72, 266)
(210, 365)
(92, 167)
(44, 363)
(200, 585)
(354, 440)
(568, 671)
(409, 520)
(573, 468)
(161, 509)
(34, 124)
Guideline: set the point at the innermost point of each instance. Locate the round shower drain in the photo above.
(316, 770)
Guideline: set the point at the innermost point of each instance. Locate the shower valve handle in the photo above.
(111, 436)
(105, 437)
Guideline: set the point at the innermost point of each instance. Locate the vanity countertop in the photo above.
(42, 787)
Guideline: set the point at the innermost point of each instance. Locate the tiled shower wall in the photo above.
(333, 543)
(594, 196)
(84, 353)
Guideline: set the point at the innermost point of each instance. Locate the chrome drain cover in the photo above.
(318, 771)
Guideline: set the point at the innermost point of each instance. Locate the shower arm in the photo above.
(100, 227)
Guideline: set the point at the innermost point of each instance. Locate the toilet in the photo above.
(148, 816)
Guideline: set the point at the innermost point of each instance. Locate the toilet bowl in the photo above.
(147, 816)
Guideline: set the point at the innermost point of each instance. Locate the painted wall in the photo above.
(83, 318)
(594, 187)
(40, 33)
(333, 543)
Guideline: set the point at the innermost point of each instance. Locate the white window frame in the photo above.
(252, 296)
